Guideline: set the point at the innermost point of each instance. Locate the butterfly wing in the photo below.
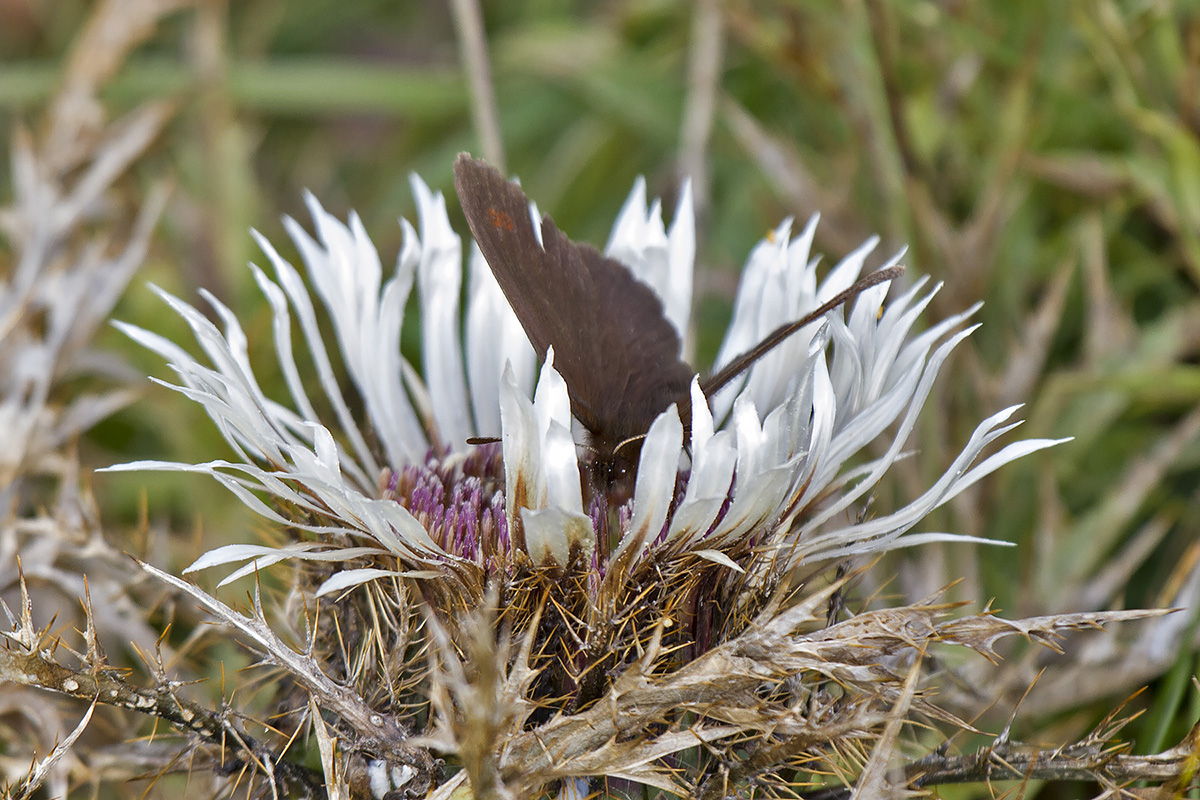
(613, 346)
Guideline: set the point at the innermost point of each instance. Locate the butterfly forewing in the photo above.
(613, 345)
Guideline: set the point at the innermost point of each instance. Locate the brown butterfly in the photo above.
(613, 345)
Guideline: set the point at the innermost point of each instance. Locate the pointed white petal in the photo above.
(551, 401)
(681, 257)
(702, 421)
(561, 466)
(522, 451)
(355, 577)
(494, 337)
(552, 533)
(439, 281)
(717, 557)
(655, 487)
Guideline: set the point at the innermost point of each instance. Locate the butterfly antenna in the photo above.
(717, 381)
(630, 440)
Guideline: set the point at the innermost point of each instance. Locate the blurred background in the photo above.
(1042, 157)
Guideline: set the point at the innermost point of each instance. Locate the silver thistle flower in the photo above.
(773, 462)
(682, 582)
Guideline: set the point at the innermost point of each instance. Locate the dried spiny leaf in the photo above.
(384, 732)
(980, 632)
(41, 769)
(94, 655)
(875, 780)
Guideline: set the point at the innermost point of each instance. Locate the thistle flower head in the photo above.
(774, 459)
(366, 458)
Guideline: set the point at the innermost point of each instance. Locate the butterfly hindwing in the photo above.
(613, 345)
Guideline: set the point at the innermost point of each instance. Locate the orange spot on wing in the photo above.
(500, 219)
